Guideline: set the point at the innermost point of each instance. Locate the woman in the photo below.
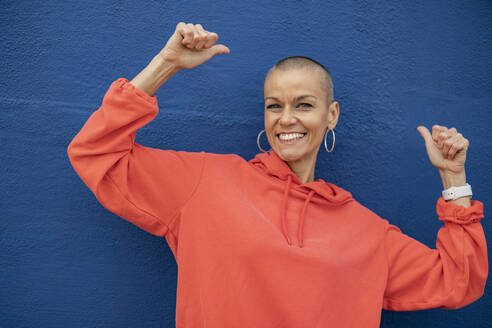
(260, 243)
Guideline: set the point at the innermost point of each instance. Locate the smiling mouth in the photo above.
(292, 137)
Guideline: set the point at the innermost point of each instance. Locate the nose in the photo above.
(287, 117)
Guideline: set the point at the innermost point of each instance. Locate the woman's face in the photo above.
(308, 115)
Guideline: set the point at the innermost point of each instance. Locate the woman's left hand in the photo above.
(446, 148)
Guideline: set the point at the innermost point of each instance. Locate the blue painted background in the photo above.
(65, 261)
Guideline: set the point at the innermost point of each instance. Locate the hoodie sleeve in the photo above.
(143, 185)
(449, 277)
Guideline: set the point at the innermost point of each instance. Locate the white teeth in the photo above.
(291, 136)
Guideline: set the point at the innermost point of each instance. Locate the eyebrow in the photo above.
(297, 98)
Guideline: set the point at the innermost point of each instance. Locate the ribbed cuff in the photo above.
(459, 214)
(125, 84)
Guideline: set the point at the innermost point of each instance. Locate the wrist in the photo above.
(452, 179)
(154, 75)
(165, 63)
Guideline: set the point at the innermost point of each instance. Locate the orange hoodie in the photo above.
(255, 247)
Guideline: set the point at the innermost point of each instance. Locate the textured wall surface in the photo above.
(65, 261)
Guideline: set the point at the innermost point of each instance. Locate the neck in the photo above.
(304, 168)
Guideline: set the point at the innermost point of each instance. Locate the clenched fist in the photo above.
(191, 45)
(446, 148)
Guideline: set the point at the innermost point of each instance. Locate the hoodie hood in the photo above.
(270, 163)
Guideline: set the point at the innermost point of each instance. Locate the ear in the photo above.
(333, 114)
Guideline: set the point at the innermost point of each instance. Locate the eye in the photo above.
(307, 105)
(271, 106)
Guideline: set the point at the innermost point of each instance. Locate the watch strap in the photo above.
(457, 192)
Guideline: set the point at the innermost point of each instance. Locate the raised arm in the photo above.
(144, 185)
(454, 273)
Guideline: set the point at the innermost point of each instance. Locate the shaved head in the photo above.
(300, 62)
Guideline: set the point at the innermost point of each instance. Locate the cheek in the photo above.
(268, 132)
(317, 132)
(268, 123)
(313, 126)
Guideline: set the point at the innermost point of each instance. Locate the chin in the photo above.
(289, 155)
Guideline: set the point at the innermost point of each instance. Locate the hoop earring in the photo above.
(333, 133)
(258, 141)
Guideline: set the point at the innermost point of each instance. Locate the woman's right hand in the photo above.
(191, 45)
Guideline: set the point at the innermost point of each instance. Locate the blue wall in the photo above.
(65, 261)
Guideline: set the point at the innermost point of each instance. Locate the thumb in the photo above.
(219, 49)
(424, 132)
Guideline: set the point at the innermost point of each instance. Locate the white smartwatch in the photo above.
(457, 192)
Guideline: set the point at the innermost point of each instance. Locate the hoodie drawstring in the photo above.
(301, 219)
(284, 202)
(302, 216)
